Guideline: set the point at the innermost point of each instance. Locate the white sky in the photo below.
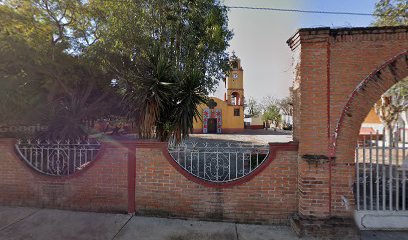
(260, 38)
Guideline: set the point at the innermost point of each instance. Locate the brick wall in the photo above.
(152, 183)
(100, 187)
(269, 197)
(333, 62)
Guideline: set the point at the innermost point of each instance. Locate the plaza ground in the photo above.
(259, 136)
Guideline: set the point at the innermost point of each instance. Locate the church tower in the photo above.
(235, 83)
(225, 115)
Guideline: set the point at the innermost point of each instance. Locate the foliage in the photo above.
(394, 101)
(268, 101)
(166, 59)
(273, 109)
(387, 111)
(255, 158)
(391, 13)
(166, 99)
(40, 82)
(252, 106)
(392, 104)
(272, 113)
(286, 106)
(58, 59)
(192, 35)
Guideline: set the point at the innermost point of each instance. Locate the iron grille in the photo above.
(219, 162)
(57, 158)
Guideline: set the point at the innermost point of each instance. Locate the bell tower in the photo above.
(235, 82)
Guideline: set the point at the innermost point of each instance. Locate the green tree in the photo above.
(167, 55)
(272, 114)
(252, 107)
(391, 13)
(59, 57)
(268, 101)
(40, 81)
(392, 104)
(394, 101)
(286, 106)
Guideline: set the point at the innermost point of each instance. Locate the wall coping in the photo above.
(322, 33)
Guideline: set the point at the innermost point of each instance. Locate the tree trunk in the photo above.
(389, 136)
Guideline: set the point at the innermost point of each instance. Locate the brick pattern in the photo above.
(349, 55)
(159, 189)
(364, 99)
(270, 197)
(313, 189)
(101, 187)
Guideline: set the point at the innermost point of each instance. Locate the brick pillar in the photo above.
(310, 89)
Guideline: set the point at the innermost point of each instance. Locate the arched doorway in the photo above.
(380, 181)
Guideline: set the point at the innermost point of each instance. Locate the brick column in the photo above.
(311, 90)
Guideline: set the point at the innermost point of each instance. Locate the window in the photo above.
(234, 65)
(235, 100)
(236, 112)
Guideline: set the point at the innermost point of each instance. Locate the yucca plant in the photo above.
(189, 96)
(162, 100)
(149, 89)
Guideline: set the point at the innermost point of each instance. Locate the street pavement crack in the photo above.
(19, 220)
(236, 231)
(123, 227)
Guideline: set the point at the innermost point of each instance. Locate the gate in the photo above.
(381, 181)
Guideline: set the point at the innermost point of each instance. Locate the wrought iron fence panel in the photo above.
(218, 162)
(57, 158)
(381, 165)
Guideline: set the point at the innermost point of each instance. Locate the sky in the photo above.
(260, 38)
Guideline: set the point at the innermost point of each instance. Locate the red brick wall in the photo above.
(100, 187)
(269, 197)
(159, 187)
(255, 127)
(332, 63)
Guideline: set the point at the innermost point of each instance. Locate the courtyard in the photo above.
(258, 137)
(226, 157)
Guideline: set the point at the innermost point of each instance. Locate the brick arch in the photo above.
(345, 135)
(332, 95)
(362, 99)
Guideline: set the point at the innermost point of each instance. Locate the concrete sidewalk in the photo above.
(31, 223)
(43, 224)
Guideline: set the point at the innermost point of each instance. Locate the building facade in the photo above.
(225, 116)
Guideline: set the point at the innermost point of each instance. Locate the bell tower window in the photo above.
(235, 99)
(234, 65)
(235, 83)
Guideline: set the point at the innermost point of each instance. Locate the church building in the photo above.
(227, 115)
